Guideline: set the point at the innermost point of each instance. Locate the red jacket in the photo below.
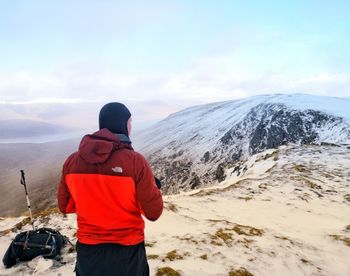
(108, 185)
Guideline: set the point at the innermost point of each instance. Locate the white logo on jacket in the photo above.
(117, 169)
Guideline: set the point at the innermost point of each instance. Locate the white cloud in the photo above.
(325, 78)
(74, 95)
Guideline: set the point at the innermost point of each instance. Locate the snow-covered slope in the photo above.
(192, 147)
(287, 215)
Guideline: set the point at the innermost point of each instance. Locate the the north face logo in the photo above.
(117, 169)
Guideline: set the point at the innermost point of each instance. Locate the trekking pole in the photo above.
(23, 182)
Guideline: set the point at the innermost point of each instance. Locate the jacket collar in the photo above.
(123, 138)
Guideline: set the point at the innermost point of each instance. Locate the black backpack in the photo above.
(27, 245)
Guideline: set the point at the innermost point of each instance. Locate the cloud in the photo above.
(325, 78)
(325, 84)
(74, 94)
(180, 89)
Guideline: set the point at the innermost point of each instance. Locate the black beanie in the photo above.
(114, 116)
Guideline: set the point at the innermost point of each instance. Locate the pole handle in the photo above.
(23, 180)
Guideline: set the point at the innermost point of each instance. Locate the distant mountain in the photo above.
(193, 147)
(13, 129)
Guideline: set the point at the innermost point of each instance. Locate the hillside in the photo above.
(287, 215)
(193, 147)
(42, 164)
(20, 129)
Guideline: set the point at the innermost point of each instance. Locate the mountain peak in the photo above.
(201, 141)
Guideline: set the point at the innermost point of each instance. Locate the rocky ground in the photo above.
(288, 214)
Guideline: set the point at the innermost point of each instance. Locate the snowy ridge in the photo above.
(335, 106)
(192, 147)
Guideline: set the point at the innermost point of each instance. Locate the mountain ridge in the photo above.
(20, 128)
(193, 147)
(274, 96)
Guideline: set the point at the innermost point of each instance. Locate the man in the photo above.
(109, 186)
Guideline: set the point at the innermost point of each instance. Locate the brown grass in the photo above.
(246, 242)
(246, 198)
(240, 272)
(215, 242)
(247, 230)
(171, 207)
(188, 238)
(173, 255)
(347, 197)
(311, 184)
(225, 236)
(305, 181)
(344, 239)
(150, 244)
(204, 257)
(301, 168)
(219, 221)
(47, 212)
(167, 271)
(304, 261)
(284, 238)
(263, 186)
(221, 236)
(152, 256)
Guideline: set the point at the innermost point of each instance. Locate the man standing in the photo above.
(109, 186)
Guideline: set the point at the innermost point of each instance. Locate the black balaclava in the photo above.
(115, 116)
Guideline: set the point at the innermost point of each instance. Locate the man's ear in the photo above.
(129, 126)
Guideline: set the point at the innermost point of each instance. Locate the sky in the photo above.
(60, 61)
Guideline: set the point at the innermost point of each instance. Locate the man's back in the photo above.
(108, 183)
(109, 186)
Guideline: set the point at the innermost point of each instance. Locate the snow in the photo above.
(294, 195)
(225, 132)
(197, 129)
(331, 105)
(296, 239)
(40, 265)
(6, 223)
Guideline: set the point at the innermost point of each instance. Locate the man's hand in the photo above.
(159, 185)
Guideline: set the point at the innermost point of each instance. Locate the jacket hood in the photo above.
(97, 147)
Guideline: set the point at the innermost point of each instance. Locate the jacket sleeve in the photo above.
(147, 192)
(64, 199)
